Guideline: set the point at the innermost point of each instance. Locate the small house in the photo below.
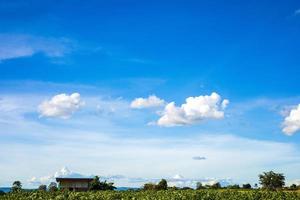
(74, 184)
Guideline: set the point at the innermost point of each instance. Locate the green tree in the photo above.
(107, 186)
(293, 187)
(162, 185)
(216, 186)
(235, 186)
(247, 186)
(149, 186)
(271, 180)
(42, 188)
(199, 186)
(52, 187)
(17, 186)
(96, 184)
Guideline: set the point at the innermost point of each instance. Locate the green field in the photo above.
(223, 194)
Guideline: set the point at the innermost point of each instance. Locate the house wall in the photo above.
(74, 185)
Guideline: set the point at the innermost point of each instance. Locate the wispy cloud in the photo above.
(199, 158)
(297, 12)
(149, 102)
(22, 45)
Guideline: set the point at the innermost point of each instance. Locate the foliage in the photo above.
(235, 186)
(17, 186)
(210, 194)
(271, 180)
(52, 187)
(42, 188)
(247, 186)
(162, 185)
(149, 186)
(215, 186)
(96, 184)
(199, 186)
(2, 193)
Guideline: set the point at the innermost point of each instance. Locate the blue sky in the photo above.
(90, 85)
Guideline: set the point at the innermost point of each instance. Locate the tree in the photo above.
(247, 186)
(216, 186)
(96, 184)
(235, 186)
(162, 185)
(149, 186)
(17, 186)
(199, 186)
(52, 187)
(107, 186)
(293, 187)
(42, 188)
(2, 193)
(271, 180)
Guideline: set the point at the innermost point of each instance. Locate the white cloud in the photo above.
(297, 12)
(62, 106)
(63, 173)
(20, 45)
(180, 181)
(194, 110)
(291, 123)
(151, 101)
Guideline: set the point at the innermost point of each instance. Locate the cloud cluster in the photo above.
(63, 173)
(194, 110)
(20, 45)
(62, 106)
(149, 102)
(291, 123)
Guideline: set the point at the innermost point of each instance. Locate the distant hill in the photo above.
(5, 189)
(126, 188)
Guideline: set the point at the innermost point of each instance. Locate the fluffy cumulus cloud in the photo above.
(20, 45)
(62, 106)
(149, 102)
(194, 110)
(291, 123)
(63, 173)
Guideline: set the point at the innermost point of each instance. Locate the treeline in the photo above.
(267, 180)
(95, 185)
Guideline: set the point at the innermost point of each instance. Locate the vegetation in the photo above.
(52, 187)
(207, 194)
(96, 184)
(272, 189)
(17, 186)
(162, 185)
(42, 188)
(247, 186)
(271, 180)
